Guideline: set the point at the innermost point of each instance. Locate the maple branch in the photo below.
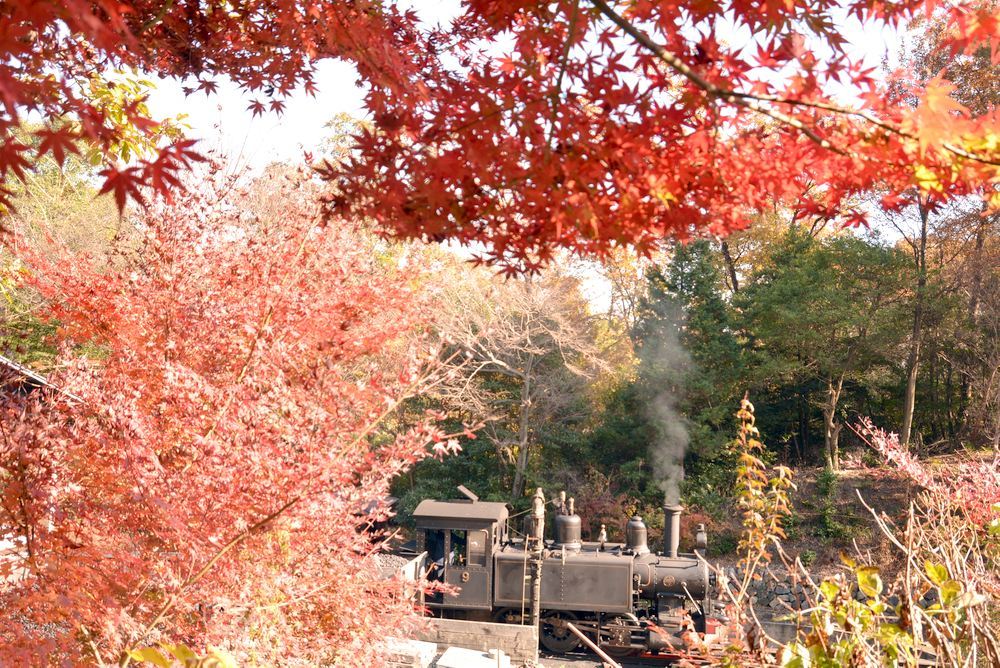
(28, 526)
(258, 335)
(962, 153)
(563, 63)
(157, 18)
(745, 101)
(240, 537)
(221, 552)
(752, 101)
(862, 114)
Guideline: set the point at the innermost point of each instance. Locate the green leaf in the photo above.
(950, 591)
(887, 633)
(795, 655)
(935, 572)
(152, 655)
(869, 581)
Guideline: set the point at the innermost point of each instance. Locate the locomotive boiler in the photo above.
(625, 597)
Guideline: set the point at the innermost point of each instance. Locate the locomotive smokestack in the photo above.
(671, 528)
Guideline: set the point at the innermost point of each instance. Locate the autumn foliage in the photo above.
(227, 377)
(971, 486)
(532, 125)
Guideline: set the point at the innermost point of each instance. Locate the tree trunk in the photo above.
(977, 269)
(803, 427)
(730, 268)
(967, 420)
(913, 359)
(831, 431)
(949, 404)
(523, 433)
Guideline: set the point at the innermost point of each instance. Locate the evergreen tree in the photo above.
(689, 374)
(825, 319)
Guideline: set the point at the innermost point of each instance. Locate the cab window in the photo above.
(477, 547)
(434, 544)
(459, 543)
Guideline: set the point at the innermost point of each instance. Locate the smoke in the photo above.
(666, 364)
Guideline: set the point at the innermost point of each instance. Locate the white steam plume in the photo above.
(666, 358)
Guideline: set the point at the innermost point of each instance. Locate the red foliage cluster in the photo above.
(226, 431)
(51, 50)
(971, 483)
(531, 125)
(598, 502)
(589, 127)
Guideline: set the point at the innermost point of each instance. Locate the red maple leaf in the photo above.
(57, 142)
(123, 184)
(257, 107)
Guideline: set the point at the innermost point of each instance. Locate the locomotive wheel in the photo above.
(510, 616)
(553, 633)
(623, 624)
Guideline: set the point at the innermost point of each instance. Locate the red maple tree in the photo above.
(531, 125)
(220, 429)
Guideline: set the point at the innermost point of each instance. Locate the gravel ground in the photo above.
(589, 661)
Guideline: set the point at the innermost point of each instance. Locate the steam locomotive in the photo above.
(625, 598)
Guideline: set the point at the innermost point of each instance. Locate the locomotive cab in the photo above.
(460, 538)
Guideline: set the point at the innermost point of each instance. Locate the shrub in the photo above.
(203, 481)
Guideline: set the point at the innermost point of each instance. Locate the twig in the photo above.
(236, 540)
(157, 18)
(93, 646)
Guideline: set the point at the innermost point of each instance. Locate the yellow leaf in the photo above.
(927, 179)
(869, 581)
(150, 654)
(666, 197)
(936, 573)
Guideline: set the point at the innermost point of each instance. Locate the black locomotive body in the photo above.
(626, 598)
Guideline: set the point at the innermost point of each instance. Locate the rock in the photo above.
(782, 589)
(775, 603)
(458, 657)
(405, 653)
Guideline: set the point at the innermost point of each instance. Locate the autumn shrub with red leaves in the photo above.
(970, 484)
(229, 384)
(943, 600)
